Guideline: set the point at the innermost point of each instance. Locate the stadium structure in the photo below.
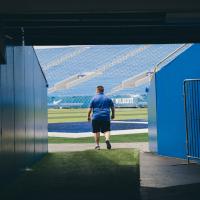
(23, 86)
(73, 72)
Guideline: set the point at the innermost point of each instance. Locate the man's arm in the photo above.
(90, 110)
(113, 112)
(89, 114)
(112, 107)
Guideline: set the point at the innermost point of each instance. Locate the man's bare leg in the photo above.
(97, 139)
(107, 137)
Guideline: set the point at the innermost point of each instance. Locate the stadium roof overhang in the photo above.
(63, 22)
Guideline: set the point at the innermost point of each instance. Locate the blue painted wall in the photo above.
(171, 136)
(23, 112)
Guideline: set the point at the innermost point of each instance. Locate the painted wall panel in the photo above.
(30, 108)
(19, 78)
(38, 131)
(170, 101)
(23, 111)
(9, 103)
(3, 120)
(8, 112)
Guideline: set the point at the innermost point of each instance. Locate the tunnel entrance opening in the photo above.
(74, 72)
(39, 23)
(123, 71)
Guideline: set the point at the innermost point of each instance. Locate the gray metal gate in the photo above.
(192, 117)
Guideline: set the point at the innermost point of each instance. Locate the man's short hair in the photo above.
(100, 88)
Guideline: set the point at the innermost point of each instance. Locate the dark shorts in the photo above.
(100, 126)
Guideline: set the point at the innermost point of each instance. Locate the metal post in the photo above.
(186, 124)
(23, 37)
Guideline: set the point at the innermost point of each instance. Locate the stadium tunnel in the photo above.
(23, 112)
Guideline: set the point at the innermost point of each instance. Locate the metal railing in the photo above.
(171, 56)
(192, 117)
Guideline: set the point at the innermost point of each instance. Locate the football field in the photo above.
(80, 115)
(74, 121)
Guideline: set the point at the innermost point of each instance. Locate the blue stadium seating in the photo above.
(137, 90)
(94, 57)
(48, 54)
(89, 60)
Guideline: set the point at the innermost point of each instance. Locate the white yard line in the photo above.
(88, 134)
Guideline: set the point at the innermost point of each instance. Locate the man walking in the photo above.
(100, 107)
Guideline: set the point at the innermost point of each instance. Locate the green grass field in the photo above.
(80, 115)
(79, 175)
(142, 137)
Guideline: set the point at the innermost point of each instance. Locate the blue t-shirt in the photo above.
(101, 105)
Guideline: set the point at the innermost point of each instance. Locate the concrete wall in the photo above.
(23, 111)
(170, 117)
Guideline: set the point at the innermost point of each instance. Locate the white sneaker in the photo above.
(97, 147)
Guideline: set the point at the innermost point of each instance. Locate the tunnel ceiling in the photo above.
(63, 22)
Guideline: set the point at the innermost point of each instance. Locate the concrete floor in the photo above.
(142, 146)
(168, 178)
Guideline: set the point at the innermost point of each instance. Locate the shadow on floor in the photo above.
(106, 175)
(181, 192)
(164, 178)
(91, 175)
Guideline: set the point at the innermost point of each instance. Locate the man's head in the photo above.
(100, 89)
